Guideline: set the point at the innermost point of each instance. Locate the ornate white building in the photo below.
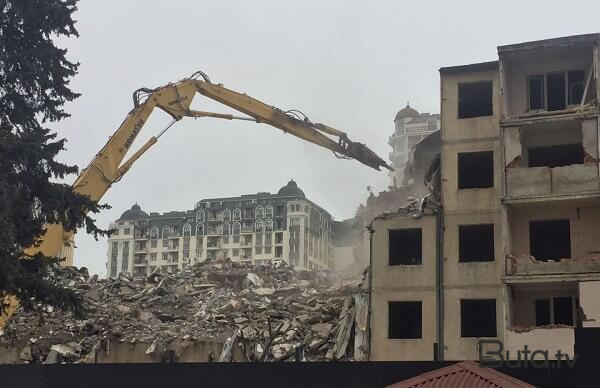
(253, 228)
(410, 128)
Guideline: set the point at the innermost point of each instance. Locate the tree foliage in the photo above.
(34, 86)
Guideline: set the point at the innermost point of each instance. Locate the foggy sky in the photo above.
(350, 65)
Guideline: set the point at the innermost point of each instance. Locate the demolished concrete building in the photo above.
(422, 155)
(213, 311)
(510, 253)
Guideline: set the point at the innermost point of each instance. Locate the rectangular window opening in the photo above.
(405, 246)
(554, 311)
(478, 318)
(476, 243)
(556, 155)
(536, 92)
(542, 312)
(475, 170)
(556, 91)
(404, 320)
(475, 99)
(550, 239)
(563, 311)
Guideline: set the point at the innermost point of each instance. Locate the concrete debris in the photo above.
(151, 349)
(264, 291)
(25, 354)
(255, 279)
(65, 350)
(271, 312)
(52, 357)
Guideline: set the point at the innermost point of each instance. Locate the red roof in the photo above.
(464, 374)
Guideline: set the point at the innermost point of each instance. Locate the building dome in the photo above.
(291, 190)
(406, 112)
(135, 213)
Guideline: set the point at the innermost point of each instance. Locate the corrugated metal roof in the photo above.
(466, 374)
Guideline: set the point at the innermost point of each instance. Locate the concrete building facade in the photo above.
(410, 127)
(254, 228)
(509, 251)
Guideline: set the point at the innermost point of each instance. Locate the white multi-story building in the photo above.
(254, 228)
(410, 128)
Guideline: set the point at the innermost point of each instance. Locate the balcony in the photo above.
(213, 243)
(550, 339)
(542, 316)
(555, 160)
(526, 266)
(548, 77)
(140, 248)
(559, 241)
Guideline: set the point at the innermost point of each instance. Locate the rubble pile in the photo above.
(271, 312)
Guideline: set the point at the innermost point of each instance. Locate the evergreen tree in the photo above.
(34, 86)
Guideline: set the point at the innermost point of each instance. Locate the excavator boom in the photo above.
(175, 99)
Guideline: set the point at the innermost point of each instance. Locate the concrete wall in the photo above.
(478, 280)
(590, 302)
(544, 339)
(523, 300)
(185, 351)
(458, 348)
(585, 222)
(121, 352)
(523, 181)
(403, 283)
(466, 135)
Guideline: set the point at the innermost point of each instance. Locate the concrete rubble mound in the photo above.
(270, 312)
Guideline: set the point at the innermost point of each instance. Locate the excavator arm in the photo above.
(108, 167)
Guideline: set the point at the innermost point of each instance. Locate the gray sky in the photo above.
(350, 65)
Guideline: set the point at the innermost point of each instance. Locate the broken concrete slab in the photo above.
(322, 329)
(25, 354)
(65, 350)
(264, 291)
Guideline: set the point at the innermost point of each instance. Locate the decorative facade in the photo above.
(253, 228)
(410, 128)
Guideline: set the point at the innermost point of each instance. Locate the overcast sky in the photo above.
(350, 65)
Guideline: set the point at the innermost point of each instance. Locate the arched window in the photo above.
(200, 215)
(236, 228)
(260, 212)
(269, 211)
(200, 229)
(187, 230)
(227, 215)
(165, 232)
(226, 229)
(269, 225)
(259, 226)
(154, 233)
(237, 214)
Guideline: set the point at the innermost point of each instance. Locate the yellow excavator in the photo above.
(175, 99)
